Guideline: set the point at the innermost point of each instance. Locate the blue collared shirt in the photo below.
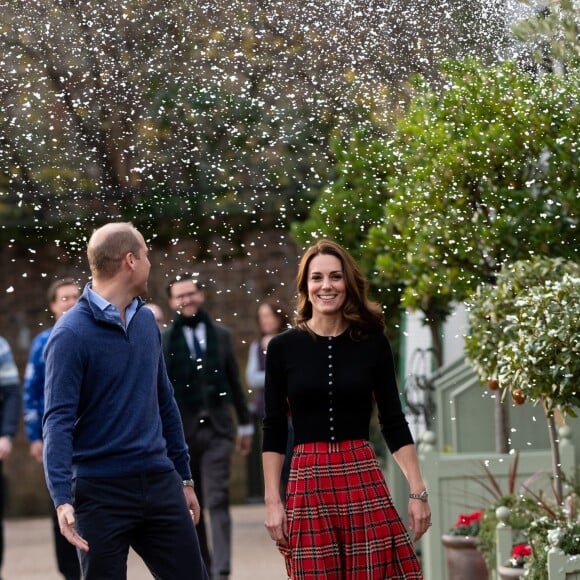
(111, 311)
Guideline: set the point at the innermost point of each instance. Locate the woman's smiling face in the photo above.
(326, 286)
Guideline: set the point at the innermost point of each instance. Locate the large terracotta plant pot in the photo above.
(464, 560)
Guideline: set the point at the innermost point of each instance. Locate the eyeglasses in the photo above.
(189, 294)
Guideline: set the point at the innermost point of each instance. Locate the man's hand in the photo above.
(244, 444)
(5, 447)
(192, 503)
(66, 522)
(36, 450)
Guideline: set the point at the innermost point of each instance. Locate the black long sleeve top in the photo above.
(328, 385)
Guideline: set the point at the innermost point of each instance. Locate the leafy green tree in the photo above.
(485, 172)
(525, 331)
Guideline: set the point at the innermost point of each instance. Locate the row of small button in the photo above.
(330, 388)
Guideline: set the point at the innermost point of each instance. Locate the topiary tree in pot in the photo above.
(525, 333)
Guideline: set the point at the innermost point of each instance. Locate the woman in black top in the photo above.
(339, 521)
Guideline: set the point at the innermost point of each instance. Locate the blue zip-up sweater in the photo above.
(33, 393)
(109, 406)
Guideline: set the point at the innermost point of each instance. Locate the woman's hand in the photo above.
(419, 510)
(276, 523)
(419, 517)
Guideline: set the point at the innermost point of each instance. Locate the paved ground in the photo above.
(29, 550)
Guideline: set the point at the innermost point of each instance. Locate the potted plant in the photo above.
(523, 509)
(546, 534)
(559, 530)
(514, 567)
(523, 506)
(464, 560)
(470, 544)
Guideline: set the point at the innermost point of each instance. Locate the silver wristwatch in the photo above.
(423, 496)
(188, 483)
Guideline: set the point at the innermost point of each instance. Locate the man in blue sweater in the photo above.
(115, 458)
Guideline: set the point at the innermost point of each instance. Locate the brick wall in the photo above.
(234, 288)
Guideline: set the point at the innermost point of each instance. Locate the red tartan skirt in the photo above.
(342, 524)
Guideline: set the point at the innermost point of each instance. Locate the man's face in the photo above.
(66, 297)
(186, 297)
(142, 268)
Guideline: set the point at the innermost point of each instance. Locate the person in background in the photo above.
(271, 320)
(157, 312)
(338, 521)
(115, 458)
(9, 415)
(202, 366)
(62, 295)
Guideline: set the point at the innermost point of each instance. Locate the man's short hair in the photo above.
(194, 277)
(105, 257)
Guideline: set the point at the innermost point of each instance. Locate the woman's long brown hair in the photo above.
(278, 312)
(362, 314)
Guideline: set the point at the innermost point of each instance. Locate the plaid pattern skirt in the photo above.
(342, 524)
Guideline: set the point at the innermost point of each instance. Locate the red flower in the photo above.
(467, 524)
(468, 519)
(521, 551)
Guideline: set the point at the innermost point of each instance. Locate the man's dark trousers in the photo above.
(148, 513)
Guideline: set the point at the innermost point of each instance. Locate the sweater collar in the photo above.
(104, 310)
